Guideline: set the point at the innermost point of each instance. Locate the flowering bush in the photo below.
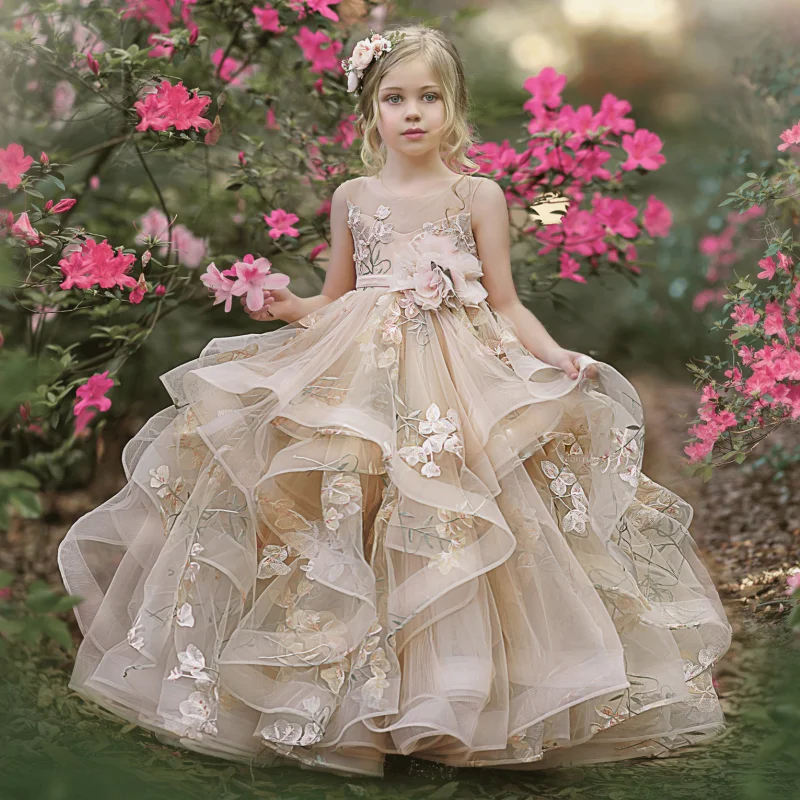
(196, 131)
(758, 388)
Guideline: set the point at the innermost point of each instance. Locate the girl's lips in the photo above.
(414, 134)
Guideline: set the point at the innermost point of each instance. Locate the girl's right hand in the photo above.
(278, 304)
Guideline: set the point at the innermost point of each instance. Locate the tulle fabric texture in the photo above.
(389, 528)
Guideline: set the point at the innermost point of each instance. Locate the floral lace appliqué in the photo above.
(367, 240)
(439, 433)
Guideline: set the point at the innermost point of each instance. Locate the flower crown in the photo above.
(364, 53)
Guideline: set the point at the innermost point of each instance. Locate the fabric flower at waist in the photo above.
(437, 273)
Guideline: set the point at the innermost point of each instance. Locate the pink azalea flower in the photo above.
(320, 50)
(63, 205)
(138, 292)
(153, 226)
(280, 223)
(657, 218)
(190, 249)
(569, 269)
(157, 12)
(92, 394)
(13, 165)
(253, 278)
(96, 264)
(790, 137)
(768, 267)
(83, 419)
(743, 314)
(22, 229)
(321, 7)
(546, 88)
(93, 63)
(220, 283)
(268, 19)
(172, 106)
(317, 250)
(271, 123)
(161, 47)
(94, 183)
(642, 149)
(160, 290)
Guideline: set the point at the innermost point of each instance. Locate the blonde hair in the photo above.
(439, 53)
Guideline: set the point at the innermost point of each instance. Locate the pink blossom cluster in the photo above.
(96, 264)
(172, 106)
(723, 251)
(250, 278)
(154, 226)
(162, 14)
(582, 232)
(90, 396)
(772, 382)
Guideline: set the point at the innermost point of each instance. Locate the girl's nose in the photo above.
(412, 112)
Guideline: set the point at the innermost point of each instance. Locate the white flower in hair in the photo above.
(364, 53)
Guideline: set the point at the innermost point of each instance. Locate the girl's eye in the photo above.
(392, 97)
(432, 98)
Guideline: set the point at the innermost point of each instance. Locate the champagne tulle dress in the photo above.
(388, 528)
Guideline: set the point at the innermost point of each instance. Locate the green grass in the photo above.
(55, 746)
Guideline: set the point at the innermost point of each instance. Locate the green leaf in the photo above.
(58, 631)
(58, 182)
(26, 503)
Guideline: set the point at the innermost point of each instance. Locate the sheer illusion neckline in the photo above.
(378, 183)
(422, 227)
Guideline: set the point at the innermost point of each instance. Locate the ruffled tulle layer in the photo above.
(380, 530)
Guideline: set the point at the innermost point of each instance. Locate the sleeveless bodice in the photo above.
(393, 236)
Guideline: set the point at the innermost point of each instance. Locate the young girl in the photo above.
(408, 521)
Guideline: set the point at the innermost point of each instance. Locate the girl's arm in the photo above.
(339, 277)
(491, 229)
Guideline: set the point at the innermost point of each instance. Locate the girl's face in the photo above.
(411, 109)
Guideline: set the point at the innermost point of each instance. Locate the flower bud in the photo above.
(44, 159)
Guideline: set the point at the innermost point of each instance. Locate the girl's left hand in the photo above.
(568, 361)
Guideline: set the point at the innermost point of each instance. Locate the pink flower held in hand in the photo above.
(253, 278)
(280, 223)
(220, 283)
(793, 583)
(13, 165)
(63, 205)
(22, 229)
(92, 394)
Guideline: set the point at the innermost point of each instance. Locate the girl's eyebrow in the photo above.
(400, 89)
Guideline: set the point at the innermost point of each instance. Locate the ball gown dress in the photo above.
(388, 528)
